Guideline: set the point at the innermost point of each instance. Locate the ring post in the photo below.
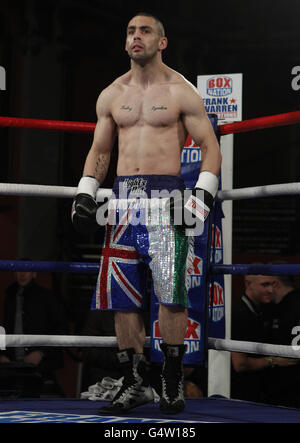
(219, 361)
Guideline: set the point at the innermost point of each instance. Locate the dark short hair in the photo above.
(160, 26)
(287, 280)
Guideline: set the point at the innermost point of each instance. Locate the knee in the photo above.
(173, 309)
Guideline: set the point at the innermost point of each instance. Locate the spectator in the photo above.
(284, 381)
(31, 309)
(251, 323)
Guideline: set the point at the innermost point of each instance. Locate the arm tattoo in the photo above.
(101, 168)
(126, 108)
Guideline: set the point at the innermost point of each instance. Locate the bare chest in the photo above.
(155, 107)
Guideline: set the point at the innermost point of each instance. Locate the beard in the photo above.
(142, 56)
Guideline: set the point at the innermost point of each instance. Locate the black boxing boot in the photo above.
(135, 390)
(172, 398)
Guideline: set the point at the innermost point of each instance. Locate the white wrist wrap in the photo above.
(209, 182)
(88, 185)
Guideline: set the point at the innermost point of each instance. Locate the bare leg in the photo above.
(173, 324)
(135, 390)
(130, 330)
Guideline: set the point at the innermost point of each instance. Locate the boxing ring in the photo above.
(215, 408)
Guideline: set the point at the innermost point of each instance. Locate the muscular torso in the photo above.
(150, 129)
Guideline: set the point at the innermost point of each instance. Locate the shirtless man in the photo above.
(151, 108)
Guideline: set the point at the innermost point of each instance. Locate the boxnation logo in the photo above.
(219, 86)
(2, 79)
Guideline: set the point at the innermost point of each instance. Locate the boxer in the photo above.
(151, 109)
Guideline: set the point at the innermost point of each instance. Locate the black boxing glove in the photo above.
(84, 208)
(192, 208)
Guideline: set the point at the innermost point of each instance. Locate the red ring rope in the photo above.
(56, 125)
(271, 121)
(254, 124)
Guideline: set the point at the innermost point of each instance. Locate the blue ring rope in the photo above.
(30, 266)
(91, 268)
(284, 269)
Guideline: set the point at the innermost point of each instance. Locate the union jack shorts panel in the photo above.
(121, 280)
(128, 250)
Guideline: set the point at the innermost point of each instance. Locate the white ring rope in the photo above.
(21, 190)
(260, 191)
(16, 341)
(254, 348)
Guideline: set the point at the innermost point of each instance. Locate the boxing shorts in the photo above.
(140, 234)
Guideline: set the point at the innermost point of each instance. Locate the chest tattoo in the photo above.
(159, 108)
